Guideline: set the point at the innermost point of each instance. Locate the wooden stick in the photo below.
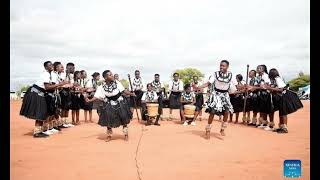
(246, 95)
(134, 99)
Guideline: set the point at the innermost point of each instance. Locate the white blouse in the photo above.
(149, 96)
(187, 97)
(157, 86)
(278, 82)
(138, 84)
(173, 85)
(109, 90)
(221, 83)
(46, 77)
(263, 79)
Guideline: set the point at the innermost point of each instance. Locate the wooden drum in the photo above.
(189, 110)
(152, 109)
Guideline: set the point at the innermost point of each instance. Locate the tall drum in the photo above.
(152, 109)
(189, 110)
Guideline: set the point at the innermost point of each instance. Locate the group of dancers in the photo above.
(49, 100)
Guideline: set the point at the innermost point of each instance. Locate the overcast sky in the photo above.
(158, 36)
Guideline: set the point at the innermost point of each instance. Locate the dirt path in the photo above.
(169, 152)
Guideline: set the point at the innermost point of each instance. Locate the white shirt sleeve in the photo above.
(280, 82)
(266, 79)
(99, 93)
(212, 78)
(144, 96)
(120, 86)
(46, 78)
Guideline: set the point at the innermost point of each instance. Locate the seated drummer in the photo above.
(187, 97)
(150, 96)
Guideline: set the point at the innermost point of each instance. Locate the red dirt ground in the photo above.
(170, 151)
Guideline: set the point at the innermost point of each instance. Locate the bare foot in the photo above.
(126, 137)
(108, 138)
(91, 121)
(222, 133)
(207, 134)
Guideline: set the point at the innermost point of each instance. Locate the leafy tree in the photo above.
(187, 74)
(125, 83)
(22, 89)
(301, 81)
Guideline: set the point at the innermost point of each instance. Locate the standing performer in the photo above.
(116, 77)
(175, 89)
(236, 98)
(86, 85)
(115, 111)
(158, 87)
(253, 103)
(95, 83)
(34, 104)
(58, 70)
(138, 86)
(75, 98)
(187, 97)
(150, 96)
(199, 97)
(219, 100)
(265, 102)
(288, 101)
(65, 93)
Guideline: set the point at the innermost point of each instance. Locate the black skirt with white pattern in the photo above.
(218, 103)
(115, 113)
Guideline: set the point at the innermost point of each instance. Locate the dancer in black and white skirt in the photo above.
(158, 87)
(199, 97)
(286, 101)
(187, 97)
(36, 105)
(115, 111)
(138, 87)
(236, 98)
(175, 89)
(219, 100)
(252, 101)
(150, 96)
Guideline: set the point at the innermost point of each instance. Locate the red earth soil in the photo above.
(171, 151)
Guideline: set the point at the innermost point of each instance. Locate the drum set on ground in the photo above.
(187, 114)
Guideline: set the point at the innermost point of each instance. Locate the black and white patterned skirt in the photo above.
(34, 104)
(115, 113)
(174, 100)
(218, 103)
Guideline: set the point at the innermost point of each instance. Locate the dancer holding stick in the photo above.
(134, 99)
